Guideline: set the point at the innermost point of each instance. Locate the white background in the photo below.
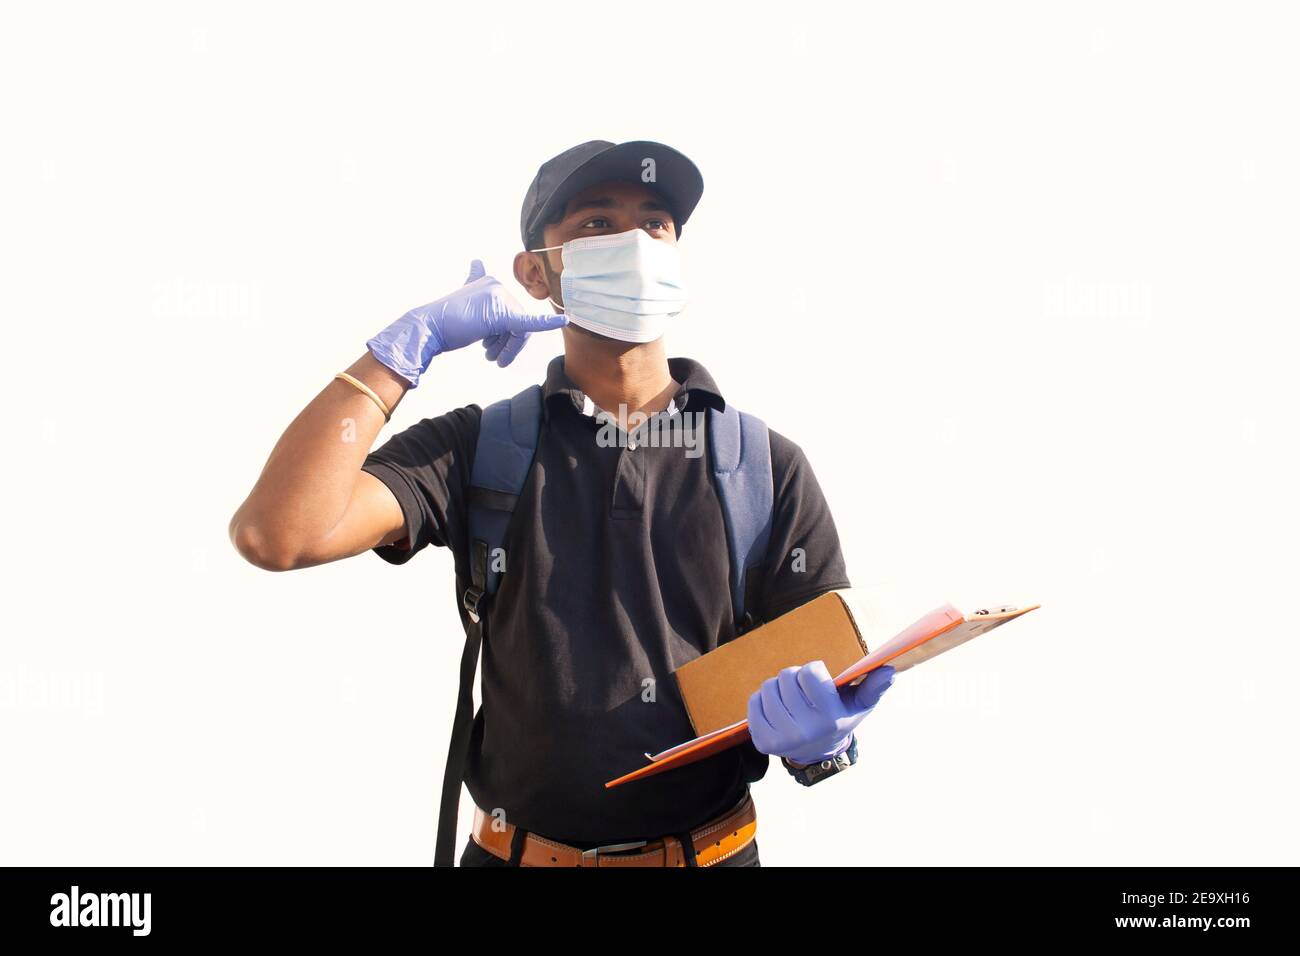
(1019, 278)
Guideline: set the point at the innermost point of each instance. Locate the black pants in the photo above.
(475, 855)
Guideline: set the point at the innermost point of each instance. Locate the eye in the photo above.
(600, 222)
(658, 225)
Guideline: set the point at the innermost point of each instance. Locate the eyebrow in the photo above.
(606, 202)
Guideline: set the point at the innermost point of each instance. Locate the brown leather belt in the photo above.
(714, 842)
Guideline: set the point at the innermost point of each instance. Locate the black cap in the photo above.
(677, 179)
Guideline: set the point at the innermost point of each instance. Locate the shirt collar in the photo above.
(697, 386)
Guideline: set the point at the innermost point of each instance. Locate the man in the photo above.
(617, 561)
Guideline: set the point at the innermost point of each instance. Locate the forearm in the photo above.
(307, 483)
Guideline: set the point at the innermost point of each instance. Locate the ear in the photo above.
(530, 274)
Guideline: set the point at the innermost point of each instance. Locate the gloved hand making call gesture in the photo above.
(480, 310)
(801, 715)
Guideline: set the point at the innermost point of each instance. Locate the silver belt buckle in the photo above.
(595, 851)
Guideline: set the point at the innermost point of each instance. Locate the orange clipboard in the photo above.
(941, 630)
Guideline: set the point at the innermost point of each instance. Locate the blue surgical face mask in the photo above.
(625, 286)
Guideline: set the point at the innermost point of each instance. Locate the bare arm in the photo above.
(312, 502)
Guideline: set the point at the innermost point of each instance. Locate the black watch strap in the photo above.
(816, 772)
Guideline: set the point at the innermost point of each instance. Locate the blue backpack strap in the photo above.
(742, 474)
(507, 440)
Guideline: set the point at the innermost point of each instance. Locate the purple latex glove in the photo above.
(480, 310)
(801, 715)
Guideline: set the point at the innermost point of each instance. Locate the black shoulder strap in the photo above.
(507, 442)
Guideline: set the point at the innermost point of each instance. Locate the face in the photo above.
(596, 211)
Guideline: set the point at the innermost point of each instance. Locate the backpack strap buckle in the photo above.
(473, 595)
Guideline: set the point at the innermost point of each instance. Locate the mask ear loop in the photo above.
(549, 249)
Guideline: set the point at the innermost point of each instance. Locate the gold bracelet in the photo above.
(368, 392)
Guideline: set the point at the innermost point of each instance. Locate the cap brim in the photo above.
(676, 179)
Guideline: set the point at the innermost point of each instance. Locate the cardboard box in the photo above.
(716, 686)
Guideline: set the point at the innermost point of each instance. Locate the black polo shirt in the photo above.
(618, 573)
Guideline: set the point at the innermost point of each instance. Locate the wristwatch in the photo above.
(815, 772)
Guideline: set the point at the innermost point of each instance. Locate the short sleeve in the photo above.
(427, 467)
(803, 558)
